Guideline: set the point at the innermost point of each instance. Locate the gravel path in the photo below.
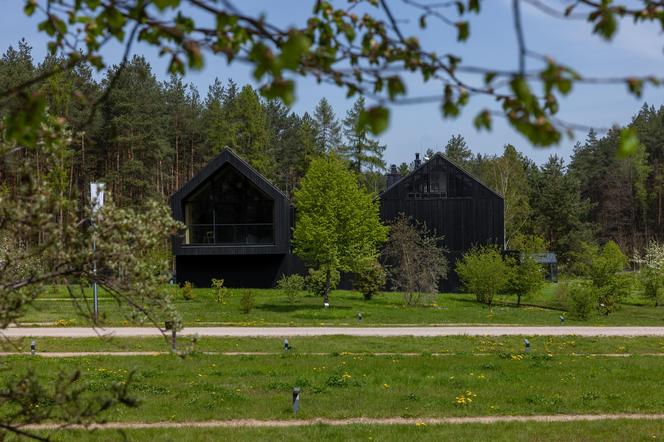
(80, 332)
(78, 354)
(355, 421)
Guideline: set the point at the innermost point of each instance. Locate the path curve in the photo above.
(352, 421)
(81, 332)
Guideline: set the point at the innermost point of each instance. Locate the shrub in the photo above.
(187, 291)
(603, 271)
(483, 271)
(581, 299)
(526, 278)
(370, 280)
(219, 290)
(415, 263)
(561, 294)
(291, 285)
(315, 281)
(247, 301)
(652, 272)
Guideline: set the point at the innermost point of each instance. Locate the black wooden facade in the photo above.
(238, 224)
(452, 203)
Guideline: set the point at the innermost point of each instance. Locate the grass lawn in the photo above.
(202, 387)
(336, 345)
(556, 377)
(273, 308)
(529, 431)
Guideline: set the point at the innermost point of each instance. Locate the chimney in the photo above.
(417, 162)
(393, 176)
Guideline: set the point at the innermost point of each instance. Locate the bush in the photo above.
(291, 285)
(581, 299)
(187, 291)
(604, 271)
(315, 281)
(415, 263)
(652, 272)
(370, 280)
(247, 301)
(219, 290)
(526, 278)
(483, 271)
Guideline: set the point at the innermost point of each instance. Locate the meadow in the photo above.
(273, 308)
(343, 377)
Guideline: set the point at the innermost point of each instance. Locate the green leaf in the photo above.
(635, 86)
(463, 30)
(30, 7)
(280, 88)
(395, 87)
(629, 142)
(376, 118)
(163, 4)
(293, 49)
(483, 120)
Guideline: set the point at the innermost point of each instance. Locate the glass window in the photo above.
(229, 209)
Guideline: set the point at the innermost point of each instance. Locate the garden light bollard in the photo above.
(296, 399)
(359, 316)
(286, 345)
(33, 347)
(526, 343)
(562, 320)
(326, 304)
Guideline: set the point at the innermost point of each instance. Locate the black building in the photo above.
(451, 202)
(238, 224)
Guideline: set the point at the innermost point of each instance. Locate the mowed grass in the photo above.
(619, 430)
(336, 345)
(272, 307)
(503, 382)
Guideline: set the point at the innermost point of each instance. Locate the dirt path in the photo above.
(81, 332)
(78, 354)
(354, 421)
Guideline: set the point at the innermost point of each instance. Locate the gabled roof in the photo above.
(454, 164)
(228, 156)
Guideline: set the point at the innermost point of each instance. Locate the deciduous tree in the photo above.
(338, 227)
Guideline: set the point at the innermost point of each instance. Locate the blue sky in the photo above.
(414, 128)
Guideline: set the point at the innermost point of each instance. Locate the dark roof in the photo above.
(227, 155)
(462, 169)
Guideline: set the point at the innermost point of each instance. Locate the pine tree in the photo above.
(457, 151)
(328, 130)
(363, 152)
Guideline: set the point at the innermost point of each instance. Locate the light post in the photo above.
(296, 399)
(97, 201)
(33, 347)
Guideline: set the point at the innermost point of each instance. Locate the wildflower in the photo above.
(386, 386)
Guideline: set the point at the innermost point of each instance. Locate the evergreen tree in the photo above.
(328, 130)
(560, 211)
(248, 128)
(457, 151)
(362, 151)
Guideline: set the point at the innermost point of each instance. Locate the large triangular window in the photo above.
(229, 209)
